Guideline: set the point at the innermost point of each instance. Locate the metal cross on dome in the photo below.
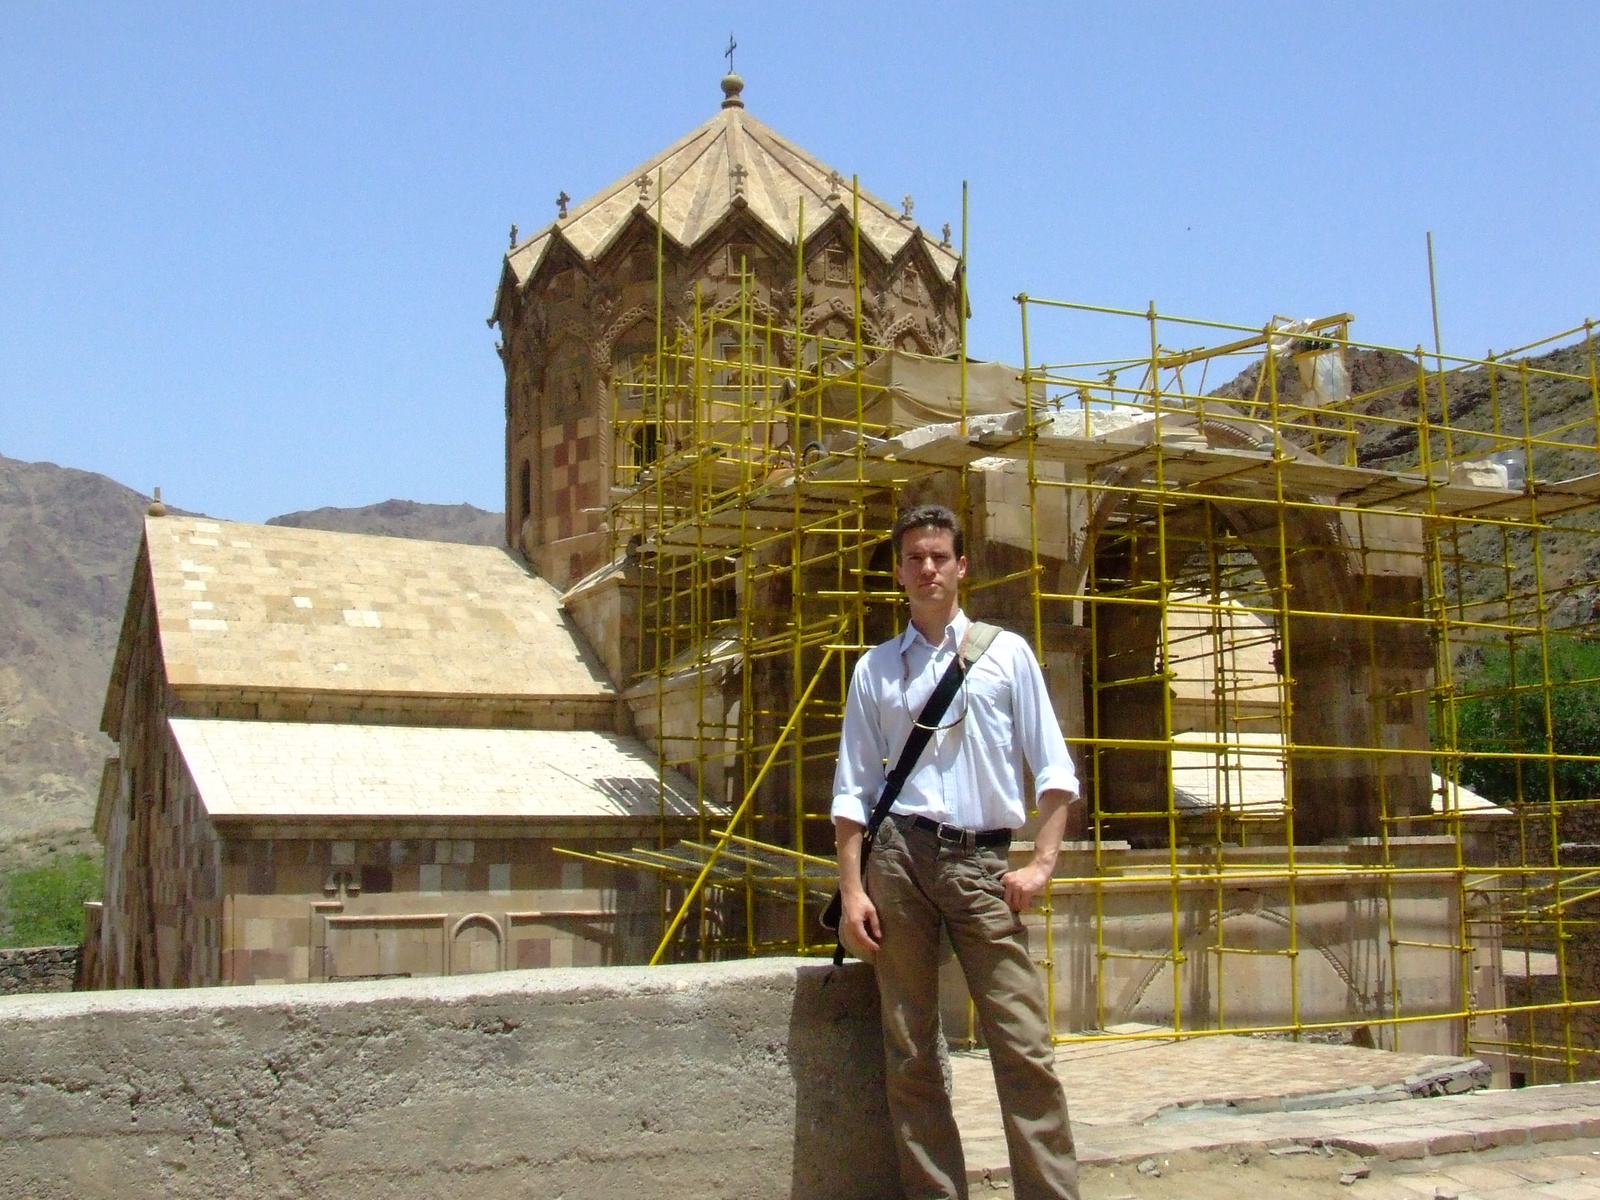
(728, 53)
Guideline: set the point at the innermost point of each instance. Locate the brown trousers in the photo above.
(919, 883)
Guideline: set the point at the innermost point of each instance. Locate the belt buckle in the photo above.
(967, 839)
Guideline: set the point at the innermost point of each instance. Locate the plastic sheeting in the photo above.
(1324, 378)
(904, 391)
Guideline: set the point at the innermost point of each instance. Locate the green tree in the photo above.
(45, 904)
(1504, 715)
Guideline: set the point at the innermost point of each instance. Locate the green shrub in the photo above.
(45, 904)
(1507, 717)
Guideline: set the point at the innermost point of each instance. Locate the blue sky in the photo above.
(246, 251)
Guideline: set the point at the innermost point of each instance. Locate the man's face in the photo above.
(930, 569)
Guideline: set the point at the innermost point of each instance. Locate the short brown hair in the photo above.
(928, 516)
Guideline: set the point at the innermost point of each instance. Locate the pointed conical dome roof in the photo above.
(732, 161)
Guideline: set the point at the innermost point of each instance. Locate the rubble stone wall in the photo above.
(38, 969)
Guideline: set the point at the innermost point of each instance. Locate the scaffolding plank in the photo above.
(769, 871)
(847, 469)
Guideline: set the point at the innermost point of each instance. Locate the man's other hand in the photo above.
(1024, 885)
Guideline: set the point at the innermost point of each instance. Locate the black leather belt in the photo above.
(969, 838)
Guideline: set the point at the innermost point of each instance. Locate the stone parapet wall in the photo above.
(738, 1080)
(38, 969)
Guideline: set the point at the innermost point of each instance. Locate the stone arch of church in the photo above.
(1330, 659)
(623, 333)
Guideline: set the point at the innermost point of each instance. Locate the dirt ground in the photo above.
(1221, 1175)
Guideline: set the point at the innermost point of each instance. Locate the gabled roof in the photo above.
(732, 162)
(261, 770)
(270, 607)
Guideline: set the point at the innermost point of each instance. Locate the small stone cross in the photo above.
(736, 174)
(835, 182)
(561, 204)
(513, 235)
(643, 184)
(946, 240)
(907, 204)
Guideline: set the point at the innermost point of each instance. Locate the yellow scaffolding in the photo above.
(1470, 527)
(1320, 637)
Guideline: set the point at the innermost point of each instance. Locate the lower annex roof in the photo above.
(270, 770)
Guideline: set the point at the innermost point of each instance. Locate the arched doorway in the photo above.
(476, 945)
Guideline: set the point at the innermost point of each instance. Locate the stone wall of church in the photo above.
(188, 903)
(397, 901)
(161, 920)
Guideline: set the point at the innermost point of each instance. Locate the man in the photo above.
(939, 860)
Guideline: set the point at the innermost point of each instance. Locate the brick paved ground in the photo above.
(1217, 1103)
(1562, 1176)
(1562, 1171)
(1115, 1082)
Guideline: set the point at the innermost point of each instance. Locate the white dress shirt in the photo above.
(971, 774)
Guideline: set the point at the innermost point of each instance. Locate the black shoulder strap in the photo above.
(973, 647)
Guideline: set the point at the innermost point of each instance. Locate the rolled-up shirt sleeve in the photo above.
(1037, 730)
(858, 779)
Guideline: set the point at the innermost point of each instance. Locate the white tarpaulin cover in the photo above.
(903, 391)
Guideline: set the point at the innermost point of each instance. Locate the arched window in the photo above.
(646, 445)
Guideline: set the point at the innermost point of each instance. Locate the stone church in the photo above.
(342, 756)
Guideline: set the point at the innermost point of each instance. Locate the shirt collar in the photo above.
(957, 629)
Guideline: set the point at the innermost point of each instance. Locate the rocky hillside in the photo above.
(67, 540)
(1560, 409)
(406, 519)
(1387, 385)
(67, 543)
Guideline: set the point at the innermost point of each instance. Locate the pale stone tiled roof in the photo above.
(733, 160)
(1246, 771)
(270, 607)
(1205, 635)
(273, 769)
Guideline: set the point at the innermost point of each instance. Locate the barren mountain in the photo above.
(406, 519)
(66, 553)
(1387, 385)
(67, 543)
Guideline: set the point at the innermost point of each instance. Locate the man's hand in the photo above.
(1060, 813)
(1024, 884)
(858, 923)
(859, 931)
